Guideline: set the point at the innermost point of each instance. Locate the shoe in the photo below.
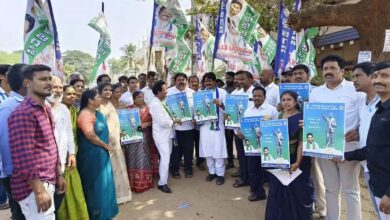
(254, 198)
(220, 180)
(229, 166)
(176, 175)
(239, 183)
(165, 188)
(210, 177)
(236, 174)
(188, 174)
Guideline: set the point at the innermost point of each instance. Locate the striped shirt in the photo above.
(33, 147)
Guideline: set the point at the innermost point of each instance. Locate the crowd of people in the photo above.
(62, 158)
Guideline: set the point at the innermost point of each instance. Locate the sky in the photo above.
(128, 21)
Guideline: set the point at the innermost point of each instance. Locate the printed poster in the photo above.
(130, 123)
(179, 107)
(302, 90)
(324, 129)
(250, 128)
(235, 107)
(204, 108)
(275, 148)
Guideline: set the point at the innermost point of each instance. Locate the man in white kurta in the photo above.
(162, 132)
(212, 144)
(63, 131)
(147, 90)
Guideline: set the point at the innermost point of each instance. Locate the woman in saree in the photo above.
(122, 187)
(93, 159)
(295, 200)
(116, 95)
(139, 159)
(73, 206)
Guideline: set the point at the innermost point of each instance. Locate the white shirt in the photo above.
(148, 94)
(189, 92)
(235, 91)
(247, 92)
(343, 93)
(127, 98)
(63, 132)
(272, 95)
(3, 95)
(266, 110)
(161, 122)
(366, 112)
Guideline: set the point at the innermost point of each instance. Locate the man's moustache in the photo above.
(379, 84)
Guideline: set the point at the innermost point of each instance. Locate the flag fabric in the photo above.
(182, 55)
(99, 23)
(38, 34)
(286, 45)
(236, 21)
(204, 42)
(169, 24)
(306, 52)
(59, 65)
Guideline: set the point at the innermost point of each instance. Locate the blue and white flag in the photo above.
(286, 46)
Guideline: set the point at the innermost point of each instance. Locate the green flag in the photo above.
(306, 52)
(180, 61)
(99, 23)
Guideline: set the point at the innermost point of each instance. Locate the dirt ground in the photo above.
(196, 199)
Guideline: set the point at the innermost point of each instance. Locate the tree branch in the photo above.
(325, 15)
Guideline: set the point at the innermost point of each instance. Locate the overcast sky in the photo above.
(128, 20)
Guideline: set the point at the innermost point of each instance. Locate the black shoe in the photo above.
(220, 180)
(165, 188)
(229, 166)
(176, 175)
(239, 183)
(210, 177)
(201, 166)
(254, 198)
(188, 174)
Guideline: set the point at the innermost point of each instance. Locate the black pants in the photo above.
(16, 211)
(242, 160)
(229, 135)
(256, 177)
(185, 140)
(199, 160)
(57, 202)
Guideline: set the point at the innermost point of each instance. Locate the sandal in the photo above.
(239, 183)
(4, 206)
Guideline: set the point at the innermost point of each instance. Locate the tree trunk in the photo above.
(370, 17)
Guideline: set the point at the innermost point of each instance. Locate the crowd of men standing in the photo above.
(62, 157)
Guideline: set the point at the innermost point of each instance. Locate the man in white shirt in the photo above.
(212, 144)
(301, 74)
(245, 80)
(267, 81)
(193, 83)
(229, 134)
(63, 132)
(127, 97)
(151, 77)
(184, 132)
(269, 112)
(340, 177)
(162, 132)
(362, 78)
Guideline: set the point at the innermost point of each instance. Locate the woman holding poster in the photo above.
(142, 157)
(122, 188)
(293, 201)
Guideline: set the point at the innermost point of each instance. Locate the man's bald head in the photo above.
(266, 77)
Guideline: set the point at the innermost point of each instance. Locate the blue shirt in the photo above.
(6, 108)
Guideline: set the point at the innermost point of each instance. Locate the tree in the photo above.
(129, 55)
(75, 60)
(370, 17)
